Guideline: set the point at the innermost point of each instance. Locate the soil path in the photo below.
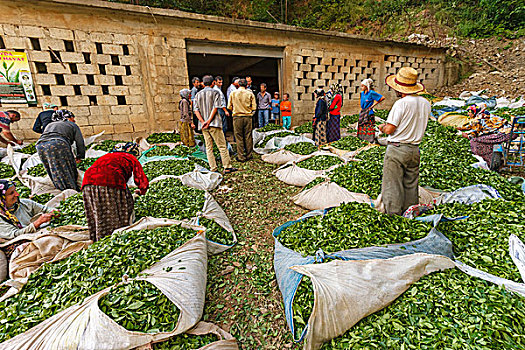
(242, 296)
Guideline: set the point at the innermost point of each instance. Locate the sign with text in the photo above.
(16, 82)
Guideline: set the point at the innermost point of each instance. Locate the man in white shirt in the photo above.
(223, 112)
(405, 125)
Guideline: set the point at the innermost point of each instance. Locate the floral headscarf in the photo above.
(185, 93)
(62, 114)
(5, 212)
(130, 147)
(336, 88)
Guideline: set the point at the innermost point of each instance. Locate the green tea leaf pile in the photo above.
(186, 342)
(107, 145)
(270, 127)
(348, 120)
(169, 199)
(321, 162)
(86, 163)
(180, 150)
(351, 225)
(175, 167)
(163, 137)
(29, 149)
(6, 171)
(301, 148)
(71, 212)
(37, 171)
(349, 143)
(306, 128)
(215, 232)
(57, 286)
(141, 307)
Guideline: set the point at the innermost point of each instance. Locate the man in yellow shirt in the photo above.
(242, 104)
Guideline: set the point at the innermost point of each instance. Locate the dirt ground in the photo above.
(243, 296)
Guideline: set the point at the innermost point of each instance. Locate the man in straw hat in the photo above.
(405, 125)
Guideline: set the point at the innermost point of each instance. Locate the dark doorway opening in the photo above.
(261, 69)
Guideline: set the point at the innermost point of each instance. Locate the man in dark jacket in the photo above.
(44, 117)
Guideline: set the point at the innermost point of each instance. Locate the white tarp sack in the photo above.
(180, 276)
(200, 178)
(294, 175)
(55, 201)
(348, 155)
(449, 102)
(41, 185)
(46, 245)
(14, 158)
(280, 157)
(93, 153)
(92, 139)
(329, 194)
(348, 291)
(30, 162)
(281, 142)
(517, 253)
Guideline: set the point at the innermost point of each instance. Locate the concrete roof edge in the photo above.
(154, 11)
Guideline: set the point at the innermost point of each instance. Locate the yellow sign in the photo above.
(16, 82)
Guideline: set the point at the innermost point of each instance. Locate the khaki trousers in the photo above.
(216, 135)
(242, 129)
(400, 178)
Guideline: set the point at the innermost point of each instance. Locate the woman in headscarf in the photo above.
(108, 202)
(54, 149)
(484, 131)
(186, 120)
(320, 117)
(369, 99)
(333, 125)
(16, 215)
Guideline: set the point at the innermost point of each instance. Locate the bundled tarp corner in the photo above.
(275, 143)
(292, 174)
(357, 283)
(180, 276)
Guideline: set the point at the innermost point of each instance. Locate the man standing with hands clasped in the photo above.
(405, 125)
(207, 102)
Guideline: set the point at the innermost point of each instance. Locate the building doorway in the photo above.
(263, 64)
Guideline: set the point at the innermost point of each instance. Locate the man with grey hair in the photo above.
(223, 112)
(207, 102)
(233, 86)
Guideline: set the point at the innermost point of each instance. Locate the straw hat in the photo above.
(405, 81)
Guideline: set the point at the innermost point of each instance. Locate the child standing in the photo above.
(186, 120)
(286, 111)
(276, 108)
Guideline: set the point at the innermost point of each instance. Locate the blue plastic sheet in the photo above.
(288, 280)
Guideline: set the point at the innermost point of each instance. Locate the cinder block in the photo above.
(128, 60)
(82, 112)
(333, 69)
(62, 90)
(81, 35)
(62, 34)
(311, 75)
(160, 60)
(81, 121)
(137, 118)
(119, 90)
(75, 79)
(31, 32)
(44, 79)
(112, 49)
(118, 118)
(13, 42)
(167, 107)
(104, 79)
(53, 44)
(78, 100)
(87, 69)
(57, 68)
(135, 90)
(107, 100)
(138, 127)
(115, 70)
(72, 57)
(39, 56)
(138, 109)
(122, 39)
(10, 29)
(307, 52)
(311, 60)
(99, 119)
(319, 68)
(326, 75)
(101, 58)
(86, 130)
(102, 37)
(123, 128)
(85, 46)
(121, 109)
